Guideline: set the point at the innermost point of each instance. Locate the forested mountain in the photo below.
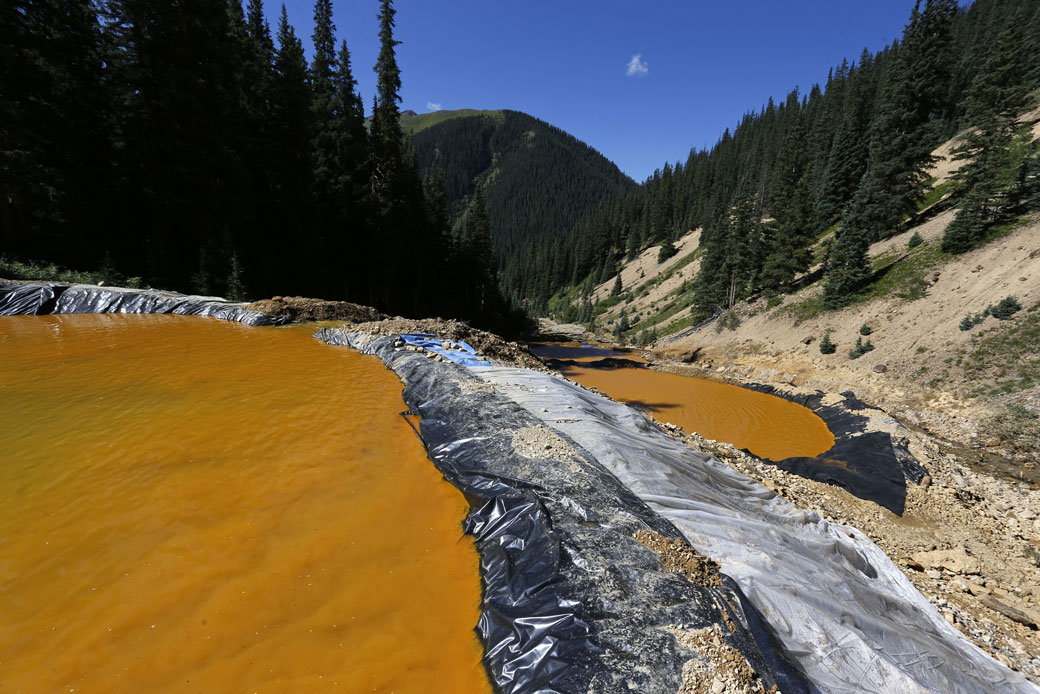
(180, 142)
(537, 179)
(845, 161)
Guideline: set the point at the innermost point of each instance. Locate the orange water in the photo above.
(193, 505)
(768, 426)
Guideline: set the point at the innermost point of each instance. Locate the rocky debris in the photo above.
(1022, 615)
(542, 443)
(299, 309)
(953, 560)
(680, 557)
(717, 667)
(487, 345)
(475, 385)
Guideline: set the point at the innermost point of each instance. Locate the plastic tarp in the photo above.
(52, 298)
(570, 601)
(835, 601)
(871, 464)
(462, 353)
(26, 299)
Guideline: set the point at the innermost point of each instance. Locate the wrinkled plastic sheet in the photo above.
(464, 354)
(836, 602)
(570, 601)
(26, 299)
(54, 298)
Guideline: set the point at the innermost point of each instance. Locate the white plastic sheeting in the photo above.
(842, 609)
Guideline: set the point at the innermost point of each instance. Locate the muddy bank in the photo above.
(298, 309)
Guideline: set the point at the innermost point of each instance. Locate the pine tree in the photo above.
(848, 266)
(291, 126)
(617, 288)
(386, 117)
(904, 132)
(996, 96)
(258, 150)
(847, 159)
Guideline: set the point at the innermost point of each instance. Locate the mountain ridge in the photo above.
(537, 178)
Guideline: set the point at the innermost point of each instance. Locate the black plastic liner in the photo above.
(56, 298)
(868, 464)
(28, 299)
(571, 602)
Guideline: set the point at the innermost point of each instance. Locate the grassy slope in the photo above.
(418, 122)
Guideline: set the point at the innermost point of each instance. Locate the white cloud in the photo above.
(637, 66)
(430, 106)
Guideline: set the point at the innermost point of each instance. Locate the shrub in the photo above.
(826, 346)
(916, 288)
(861, 348)
(1007, 307)
(914, 241)
(971, 320)
(668, 249)
(774, 301)
(865, 329)
(728, 320)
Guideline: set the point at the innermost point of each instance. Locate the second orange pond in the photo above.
(768, 426)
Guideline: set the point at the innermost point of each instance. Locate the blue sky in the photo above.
(700, 65)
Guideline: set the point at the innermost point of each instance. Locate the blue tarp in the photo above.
(464, 354)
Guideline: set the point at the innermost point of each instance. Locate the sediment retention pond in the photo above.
(196, 504)
(764, 424)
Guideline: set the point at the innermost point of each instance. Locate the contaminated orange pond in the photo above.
(768, 426)
(188, 504)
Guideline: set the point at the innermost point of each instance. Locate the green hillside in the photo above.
(537, 179)
(412, 122)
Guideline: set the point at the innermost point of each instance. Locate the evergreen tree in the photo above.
(848, 266)
(616, 289)
(903, 132)
(997, 95)
(291, 125)
(258, 149)
(847, 158)
(386, 117)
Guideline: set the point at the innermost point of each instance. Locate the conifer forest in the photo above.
(191, 146)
